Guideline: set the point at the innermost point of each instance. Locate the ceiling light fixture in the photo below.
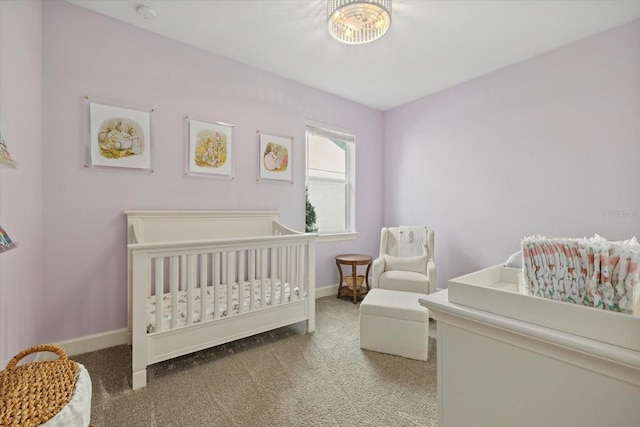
(358, 21)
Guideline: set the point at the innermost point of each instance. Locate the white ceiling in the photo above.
(431, 45)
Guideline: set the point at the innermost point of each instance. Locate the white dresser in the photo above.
(499, 370)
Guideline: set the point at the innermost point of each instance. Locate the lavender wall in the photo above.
(21, 275)
(546, 146)
(84, 227)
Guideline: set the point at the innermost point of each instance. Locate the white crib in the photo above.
(198, 279)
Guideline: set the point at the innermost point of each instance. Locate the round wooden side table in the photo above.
(354, 260)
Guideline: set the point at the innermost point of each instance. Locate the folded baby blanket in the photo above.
(413, 241)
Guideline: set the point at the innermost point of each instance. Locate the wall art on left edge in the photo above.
(5, 157)
(119, 137)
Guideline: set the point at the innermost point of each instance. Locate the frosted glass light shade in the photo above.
(358, 21)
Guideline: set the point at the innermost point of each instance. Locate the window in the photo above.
(330, 179)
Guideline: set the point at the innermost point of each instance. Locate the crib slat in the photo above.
(215, 282)
(183, 273)
(276, 272)
(263, 269)
(283, 272)
(287, 284)
(191, 268)
(252, 280)
(300, 268)
(215, 276)
(223, 267)
(302, 285)
(203, 286)
(159, 288)
(304, 282)
(291, 276)
(240, 280)
(229, 269)
(174, 272)
(296, 273)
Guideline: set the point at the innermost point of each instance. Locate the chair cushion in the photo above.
(394, 304)
(400, 280)
(416, 264)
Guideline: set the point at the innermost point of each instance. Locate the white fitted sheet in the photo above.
(210, 306)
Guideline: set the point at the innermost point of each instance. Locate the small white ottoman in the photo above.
(394, 322)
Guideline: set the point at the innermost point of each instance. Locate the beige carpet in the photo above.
(279, 378)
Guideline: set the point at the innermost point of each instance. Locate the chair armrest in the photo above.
(377, 270)
(432, 275)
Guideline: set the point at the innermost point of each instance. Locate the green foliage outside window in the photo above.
(310, 214)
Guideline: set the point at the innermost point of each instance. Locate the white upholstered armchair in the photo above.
(406, 260)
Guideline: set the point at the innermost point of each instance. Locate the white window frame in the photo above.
(348, 137)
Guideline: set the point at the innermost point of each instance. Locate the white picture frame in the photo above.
(209, 149)
(275, 157)
(119, 137)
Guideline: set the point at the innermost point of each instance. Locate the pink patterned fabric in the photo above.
(592, 272)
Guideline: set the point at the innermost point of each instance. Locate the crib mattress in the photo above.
(222, 305)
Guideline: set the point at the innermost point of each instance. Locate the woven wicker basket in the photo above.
(359, 280)
(34, 392)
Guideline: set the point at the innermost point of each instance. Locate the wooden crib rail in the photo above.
(219, 244)
(280, 229)
(160, 226)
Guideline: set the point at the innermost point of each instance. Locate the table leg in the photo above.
(354, 274)
(366, 277)
(341, 279)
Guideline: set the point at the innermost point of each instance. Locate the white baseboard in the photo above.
(326, 291)
(88, 343)
(119, 336)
